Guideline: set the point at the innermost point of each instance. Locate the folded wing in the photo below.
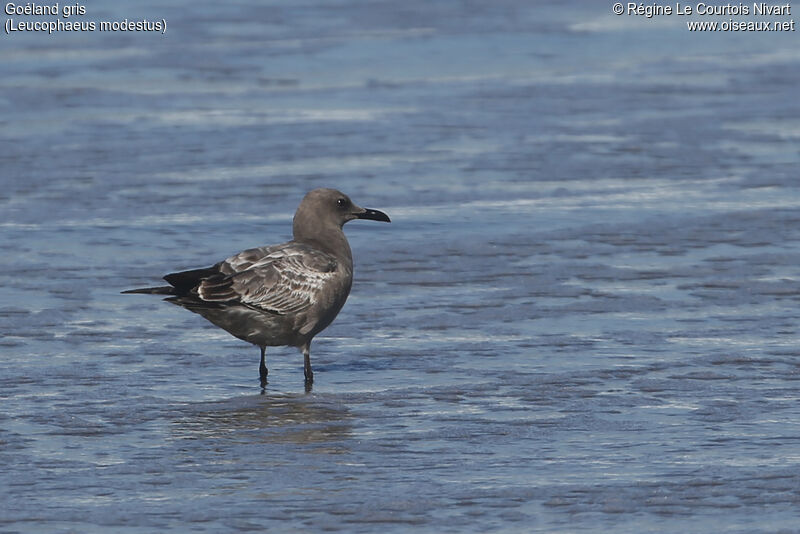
(281, 280)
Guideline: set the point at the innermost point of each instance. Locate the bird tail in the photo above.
(181, 283)
(163, 290)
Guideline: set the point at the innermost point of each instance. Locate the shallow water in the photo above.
(582, 317)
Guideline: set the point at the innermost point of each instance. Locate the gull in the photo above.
(283, 294)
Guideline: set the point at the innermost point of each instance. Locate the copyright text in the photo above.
(703, 12)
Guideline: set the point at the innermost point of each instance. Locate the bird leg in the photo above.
(262, 368)
(306, 348)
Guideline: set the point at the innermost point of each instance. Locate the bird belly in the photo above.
(254, 326)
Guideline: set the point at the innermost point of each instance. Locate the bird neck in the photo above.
(332, 240)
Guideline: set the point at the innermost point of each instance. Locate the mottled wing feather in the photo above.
(247, 258)
(287, 279)
(217, 288)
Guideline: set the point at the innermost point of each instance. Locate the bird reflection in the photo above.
(309, 386)
(268, 417)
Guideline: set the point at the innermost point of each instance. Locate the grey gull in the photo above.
(279, 294)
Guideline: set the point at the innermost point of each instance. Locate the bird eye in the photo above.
(341, 202)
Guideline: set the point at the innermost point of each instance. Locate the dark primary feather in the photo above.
(163, 290)
(185, 281)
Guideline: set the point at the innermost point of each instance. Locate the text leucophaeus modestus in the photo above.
(279, 294)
